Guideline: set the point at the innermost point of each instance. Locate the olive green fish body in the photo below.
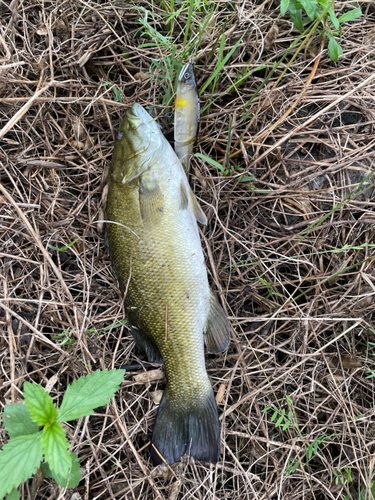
(157, 256)
(186, 115)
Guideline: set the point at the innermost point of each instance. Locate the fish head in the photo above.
(138, 142)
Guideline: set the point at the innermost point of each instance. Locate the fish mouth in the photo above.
(134, 120)
(138, 116)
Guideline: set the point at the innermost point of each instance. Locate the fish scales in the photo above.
(157, 257)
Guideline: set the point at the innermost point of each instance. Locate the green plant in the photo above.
(27, 446)
(343, 476)
(63, 338)
(316, 9)
(290, 419)
(116, 91)
(62, 249)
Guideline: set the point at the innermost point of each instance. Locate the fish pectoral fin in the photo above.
(198, 212)
(217, 335)
(145, 344)
(151, 203)
(179, 431)
(184, 196)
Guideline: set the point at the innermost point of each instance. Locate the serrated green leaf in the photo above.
(87, 393)
(334, 49)
(17, 421)
(19, 460)
(284, 4)
(55, 447)
(74, 473)
(350, 16)
(39, 403)
(14, 495)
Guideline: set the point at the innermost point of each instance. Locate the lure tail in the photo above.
(193, 432)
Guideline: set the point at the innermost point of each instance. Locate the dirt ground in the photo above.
(289, 243)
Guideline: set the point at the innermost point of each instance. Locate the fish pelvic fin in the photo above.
(184, 196)
(198, 212)
(217, 334)
(145, 343)
(178, 432)
(151, 203)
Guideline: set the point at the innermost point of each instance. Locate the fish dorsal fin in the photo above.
(198, 212)
(217, 335)
(184, 196)
(151, 203)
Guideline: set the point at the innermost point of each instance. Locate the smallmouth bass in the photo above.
(186, 115)
(158, 260)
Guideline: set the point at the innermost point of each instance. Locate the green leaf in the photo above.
(17, 421)
(62, 249)
(296, 18)
(247, 178)
(274, 415)
(19, 460)
(55, 448)
(210, 161)
(350, 16)
(39, 403)
(286, 425)
(284, 4)
(295, 12)
(14, 495)
(334, 49)
(311, 8)
(87, 393)
(74, 474)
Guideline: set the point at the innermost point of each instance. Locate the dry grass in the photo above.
(291, 254)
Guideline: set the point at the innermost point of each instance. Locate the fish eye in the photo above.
(120, 135)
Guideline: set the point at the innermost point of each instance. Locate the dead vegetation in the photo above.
(290, 253)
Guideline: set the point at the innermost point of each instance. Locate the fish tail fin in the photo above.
(181, 431)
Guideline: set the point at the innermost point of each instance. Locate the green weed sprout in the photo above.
(343, 476)
(280, 417)
(314, 10)
(28, 445)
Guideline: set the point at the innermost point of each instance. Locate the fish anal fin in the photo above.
(184, 196)
(145, 344)
(178, 432)
(198, 212)
(217, 335)
(151, 203)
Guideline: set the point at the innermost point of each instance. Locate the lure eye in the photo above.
(187, 75)
(120, 135)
